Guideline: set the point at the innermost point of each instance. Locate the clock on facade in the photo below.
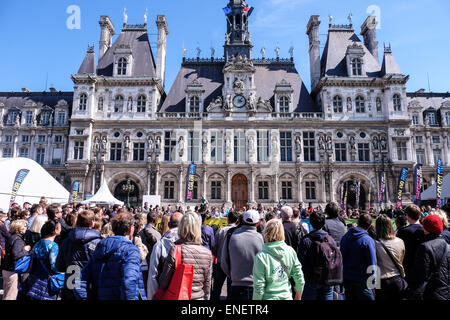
(239, 101)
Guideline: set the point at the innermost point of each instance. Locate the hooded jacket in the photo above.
(114, 271)
(358, 253)
(76, 250)
(270, 281)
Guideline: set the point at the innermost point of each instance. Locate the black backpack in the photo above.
(327, 261)
(301, 231)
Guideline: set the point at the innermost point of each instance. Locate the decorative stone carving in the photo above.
(298, 145)
(375, 143)
(252, 102)
(181, 146)
(216, 104)
(352, 143)
(264, 104)
(383, 143)
(329, 144)
(321, 143)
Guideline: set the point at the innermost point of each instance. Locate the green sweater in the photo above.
(270, 281)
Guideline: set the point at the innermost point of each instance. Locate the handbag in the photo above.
(55, 282)
(23, 265)
(180, 287)
(404, 283)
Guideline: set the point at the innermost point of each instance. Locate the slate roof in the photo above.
(88, 66)
(389, 65)
(143, 61)
(333, 62)
(20, 99)
(210, 75)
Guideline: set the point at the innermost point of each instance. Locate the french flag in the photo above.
(248, 10)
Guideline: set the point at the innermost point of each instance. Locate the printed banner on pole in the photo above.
(358, 189)
(342, 196)
(440, 178)
(345, 196)
(369, 199)
(191, 178)
(382, 185)
(401, 186)
(20, 176)
(75, 190)
(417, 184)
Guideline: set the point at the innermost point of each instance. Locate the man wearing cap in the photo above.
(238, 255)
(429, 278)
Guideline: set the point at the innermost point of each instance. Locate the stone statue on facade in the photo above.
(263, 52)
(238, 85)
(228, 103)
(103, 144)
(321, 143)
(252, 102)
(96, 144)
(217, 103)
(127, 142)
(329, 144)
(375, 143)
(181, 146)
(349, 104)
(227, 38)
(151, 144)
(383, 143)
(158, 145)
(228, 145)
(204, 144)
(275, 145)
(251, 145)
(352, 143)
(298, 145)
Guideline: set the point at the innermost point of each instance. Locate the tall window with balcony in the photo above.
(216, 190)
(216, 146)
(402, 150)
(364, 152)
(341, 152)
(169, 146)
(309, 146)
(116, 151)
(284, 104)
(83, 102)
(45, 118)
(337, 104)
(118, 104)
(397, 103)
(78, 150)
(12, 116)
(431, 118)
(194, 104)
(122, 67)
(286, 146)
(141, 104)
(263, 146)
(356, 67)
(415, 119)
(360, 105)
(40, 155)
(61, 118)
(239, 147)
(29, 117)
(193, 146)
(138, 151)
(286, 190)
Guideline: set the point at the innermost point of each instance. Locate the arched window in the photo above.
(118, 104)
(83, 102)
(356, 67)
(397, 102)
(284, 104)
(100, 104)
(360, 105)
(194, 104)
(141, 103)
(122, 67)
(337, 104)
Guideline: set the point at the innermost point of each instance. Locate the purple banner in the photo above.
(401, 186)
(417, 184)
(382, 185)
(440, 178)
(191, 179)
(20, 176)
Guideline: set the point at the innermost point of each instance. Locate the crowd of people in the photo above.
(277, 253)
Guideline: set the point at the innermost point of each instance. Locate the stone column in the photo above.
(299, 184)
(429, 152)
(229, 186)
(149, 179)
(94, 171)
(252, 186)
(445, 159)
(332, 190)
(205, 183)
(180, 185)
(157, 172)
(276, 180)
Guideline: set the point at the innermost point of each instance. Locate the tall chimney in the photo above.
(163, 31)
(107, 32)
(312, 30)
(369, 32)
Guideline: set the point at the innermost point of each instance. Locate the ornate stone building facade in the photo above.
(250, 124)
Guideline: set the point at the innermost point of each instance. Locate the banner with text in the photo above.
(382, 185)
(401, 186)
(417, 183)
(191, 178)
(75, 189)
(440, 178)
(20, 176)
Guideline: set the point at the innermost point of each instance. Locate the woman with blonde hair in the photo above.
(163, 226)
(275, 265)
(192, 252)
(15, 250)
(445, 233)
(33, 235)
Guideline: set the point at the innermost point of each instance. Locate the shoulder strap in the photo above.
(282, 264)
(391, 256)
(178, 256)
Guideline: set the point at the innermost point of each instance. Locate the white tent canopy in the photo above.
(103, 195)
(36, 184)
(430, 193)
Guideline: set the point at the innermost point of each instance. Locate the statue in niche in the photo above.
(252, 102)
(127, 142)
(104, 142)
(298, 145)
(181, 147)
(329, 144)
(275, 145)
(383, 143)
(228, 103)
(228, 147)
(321, 143)
(151, 144)
(238, 85)
(96, 144)
(375, 143)
(251, 145)
(352, 143)
(349, 104)
(158, 144)
(205, 143)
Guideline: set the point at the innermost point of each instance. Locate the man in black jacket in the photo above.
(429, 278)
(54, 212)
(290, 229)
(75, 252)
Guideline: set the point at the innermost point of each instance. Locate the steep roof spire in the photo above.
(88, 66)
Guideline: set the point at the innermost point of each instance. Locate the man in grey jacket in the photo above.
(160, 252)
(238, 255)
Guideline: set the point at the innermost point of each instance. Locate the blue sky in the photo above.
(36, 41)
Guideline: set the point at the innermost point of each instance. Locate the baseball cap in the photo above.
(251, 217)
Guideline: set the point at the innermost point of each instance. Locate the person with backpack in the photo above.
(334, 225)
(15, 250)
(275, 265)
(321, 261)
(238, 255)
(114, 270)
(390, 254)
(76, 250)
(359, 260)
(429, 278)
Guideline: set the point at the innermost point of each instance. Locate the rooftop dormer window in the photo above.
(284, 104)
(194, 104)
(397, 102)
(83, 102)
(356, 67)
(141, 103)
(337, 104)
(360, 105)
(122, 67)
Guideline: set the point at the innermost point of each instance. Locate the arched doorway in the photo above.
(350, 186)
(239, 191)
(128, 192)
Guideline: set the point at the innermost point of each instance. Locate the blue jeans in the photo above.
(357, 291)
(241, 293)
(315, 291)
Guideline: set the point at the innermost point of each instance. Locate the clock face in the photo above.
(239, 101)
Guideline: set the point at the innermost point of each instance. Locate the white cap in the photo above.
(251, 217)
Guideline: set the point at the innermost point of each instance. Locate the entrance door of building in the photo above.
(239, 191)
